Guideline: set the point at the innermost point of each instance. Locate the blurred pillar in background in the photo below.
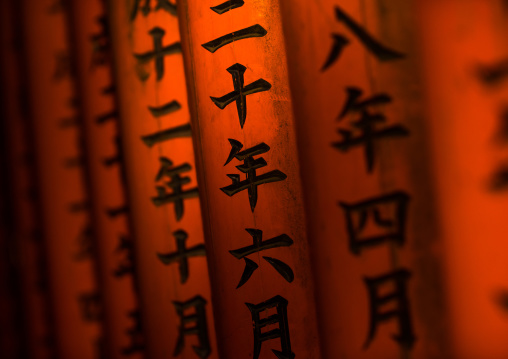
(176, 307)
(355, 73)
(11, 331)
(465, 57)
(64, 204)
(24, 246)
(91, 47)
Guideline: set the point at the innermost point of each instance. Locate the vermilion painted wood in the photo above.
(465, 116)
(90, 40)
(10, 336)
(400, 164)
(59, 175)
(279, 208)
(11, 333)
(26, 247)
(153, 227)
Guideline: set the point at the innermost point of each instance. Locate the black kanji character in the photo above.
(193, 324)
(176, 182)
(159, 52)
(366, 124)
(259, 245)
(168, 134)
(135, 333)
(381, 52)
(282, 332)
(182, 254)
(249, 167)
(240, 92)
(249, 32)
(389, 228)
(401, 313)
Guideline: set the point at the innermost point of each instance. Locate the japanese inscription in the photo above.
(248, 32)
(281, 333)
(249, 167)
(176, 181)
(159, 51)
(390, 228)
(259, 245)
(182, 254)
(100, 42)
(380, 51)
(193, 324)
(240, 92)
(379, 220)
(173, 184)
(251, 164)
(366, 124)
(405, 336)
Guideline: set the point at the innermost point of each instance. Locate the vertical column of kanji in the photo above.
(255, 226)
(97, 93)
(465, 55)
(176, 308)
(20, 186)
(357, 95)
(64, 205)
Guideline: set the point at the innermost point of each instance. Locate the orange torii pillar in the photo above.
(26, 246)
(110, 210)
(12, 338)
(464, 56)
(249, 179)
(176, 308)
(66, 229)
(358, 99)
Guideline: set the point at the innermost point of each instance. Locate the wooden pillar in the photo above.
(64, 203)
(162, 187)
(25, 247)
(249, 179)
(464, 53)
(355, 76)
(110, 210)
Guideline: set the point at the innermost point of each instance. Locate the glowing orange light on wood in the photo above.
(335, 178)
(279, 208)
(464, 111)
(59, 177)
(110, 208)
(26, 246)
(147, 88)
